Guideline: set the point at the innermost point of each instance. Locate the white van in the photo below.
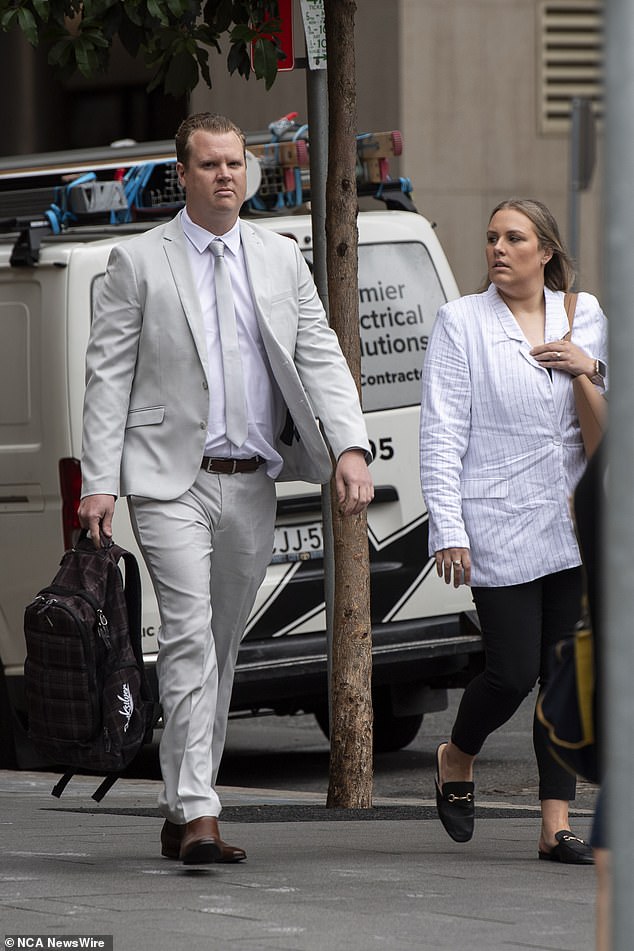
(424, 638)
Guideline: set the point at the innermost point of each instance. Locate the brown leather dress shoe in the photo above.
(200, 842)
(172, 836)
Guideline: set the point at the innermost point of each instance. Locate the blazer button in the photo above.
(203, 425)
(205, 387)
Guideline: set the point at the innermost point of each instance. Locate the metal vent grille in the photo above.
(571, 34)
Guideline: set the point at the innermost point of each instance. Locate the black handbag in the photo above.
(566, 706)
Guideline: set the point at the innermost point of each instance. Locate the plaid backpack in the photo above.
(89, 705)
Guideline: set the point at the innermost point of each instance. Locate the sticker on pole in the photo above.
(315, 31)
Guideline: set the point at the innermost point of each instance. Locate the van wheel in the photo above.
(394, 733)
(8, 758)
(389, 732)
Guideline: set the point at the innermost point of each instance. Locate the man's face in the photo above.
(214, 178)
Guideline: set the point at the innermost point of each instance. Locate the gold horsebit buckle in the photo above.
(468, 797)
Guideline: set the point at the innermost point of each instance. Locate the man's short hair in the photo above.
(208, 121)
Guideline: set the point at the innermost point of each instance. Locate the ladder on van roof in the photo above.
(48, 194)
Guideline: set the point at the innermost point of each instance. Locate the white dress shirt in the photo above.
(501, 449)
(265, 406)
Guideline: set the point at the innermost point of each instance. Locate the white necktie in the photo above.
(235, 403)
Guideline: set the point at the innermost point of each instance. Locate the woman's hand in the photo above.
(457, 560)
(564, 355)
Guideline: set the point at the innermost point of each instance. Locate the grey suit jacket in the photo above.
(147, 389)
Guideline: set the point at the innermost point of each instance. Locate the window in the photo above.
(399, 295)
(571, 60)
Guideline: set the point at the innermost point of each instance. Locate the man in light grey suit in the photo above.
(202, 504)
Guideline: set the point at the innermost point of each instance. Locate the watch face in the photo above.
(603, 370)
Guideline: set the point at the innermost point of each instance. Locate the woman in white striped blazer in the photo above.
(501, 453)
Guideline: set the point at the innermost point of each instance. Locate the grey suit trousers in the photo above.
(207, 554)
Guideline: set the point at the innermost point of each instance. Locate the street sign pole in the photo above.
(582, 159)
(317, 103)
(619, 528)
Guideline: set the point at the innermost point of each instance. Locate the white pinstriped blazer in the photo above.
(500, 444)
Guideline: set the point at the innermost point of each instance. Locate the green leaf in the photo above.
(218, 14)
(26, 22)
(238, 60)
(6, 22)
(266, 28)
(203, 64)
(61, 53)
(265, 61)
(203, 33)
(133, 13)
(95, 38)
(183, 8)
(84, 57)
(43, 9)
(243, 33)
(112, 22)
(155, 9)
(181, 75)
(159, 76)
(92, 9)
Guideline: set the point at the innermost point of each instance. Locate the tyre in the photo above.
(16, 749)
(8, 758)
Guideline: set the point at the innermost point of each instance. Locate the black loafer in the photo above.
(455, 803)
(570, 849)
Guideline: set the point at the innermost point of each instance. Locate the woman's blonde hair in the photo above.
(559, 272)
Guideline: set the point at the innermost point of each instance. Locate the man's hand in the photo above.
(354, 485)
(95, 514)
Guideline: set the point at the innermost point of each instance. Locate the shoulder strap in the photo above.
(98, 794)
(133, 598)
(132, 591)
(105, 786)
(570, 304)
(61, 785)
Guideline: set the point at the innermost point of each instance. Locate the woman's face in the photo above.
(515, 259)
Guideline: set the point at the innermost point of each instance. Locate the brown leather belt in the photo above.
(231, 466)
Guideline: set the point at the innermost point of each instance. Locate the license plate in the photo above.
(298, 543)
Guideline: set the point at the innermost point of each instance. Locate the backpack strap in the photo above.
(133, 601)
(98, 794)
(105, 786)
(132, 592)
(60, 786)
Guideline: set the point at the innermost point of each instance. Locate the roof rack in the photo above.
(46, 195)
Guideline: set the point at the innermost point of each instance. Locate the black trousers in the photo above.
(520, 624)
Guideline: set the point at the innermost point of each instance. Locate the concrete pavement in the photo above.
(315, 879)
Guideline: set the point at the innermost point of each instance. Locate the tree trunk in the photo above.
(350, 783)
